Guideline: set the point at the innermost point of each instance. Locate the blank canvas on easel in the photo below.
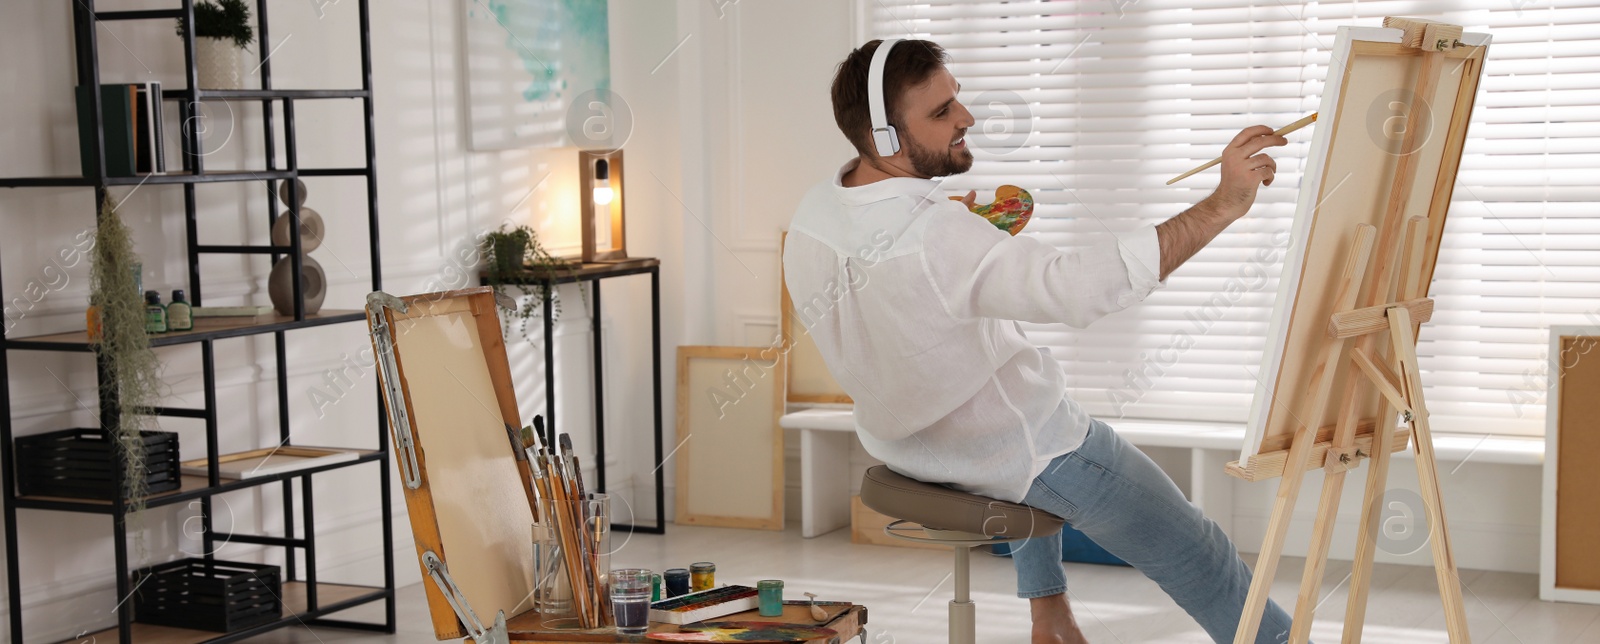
(1353, 158)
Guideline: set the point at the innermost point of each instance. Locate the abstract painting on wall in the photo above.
(526, 61)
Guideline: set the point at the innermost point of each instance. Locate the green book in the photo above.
(116, 108)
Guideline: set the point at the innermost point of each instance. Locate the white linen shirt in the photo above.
(913, 301)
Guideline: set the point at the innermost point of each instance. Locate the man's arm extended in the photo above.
(1245, 168)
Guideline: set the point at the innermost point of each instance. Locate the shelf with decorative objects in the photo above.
(298, 596)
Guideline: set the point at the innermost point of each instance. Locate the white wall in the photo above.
(434, 196)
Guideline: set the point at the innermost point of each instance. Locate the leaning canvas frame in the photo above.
(464, 491)
(1351, 163)
(730, 448)
(1558, 362)
(810, 382)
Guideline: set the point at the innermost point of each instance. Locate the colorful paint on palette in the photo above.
(745, 632)
(1010, 211)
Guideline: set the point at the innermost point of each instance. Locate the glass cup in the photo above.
(572, 542)
(630, 599)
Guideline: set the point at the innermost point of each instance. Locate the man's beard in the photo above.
(938, 163)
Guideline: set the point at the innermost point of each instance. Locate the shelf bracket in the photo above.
(394, 398)
(458, 602)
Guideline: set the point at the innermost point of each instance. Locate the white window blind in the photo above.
(1093, 105)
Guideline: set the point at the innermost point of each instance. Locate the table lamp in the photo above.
(601, 195)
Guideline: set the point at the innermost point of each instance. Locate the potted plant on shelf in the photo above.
(222, 31)
(514, 257)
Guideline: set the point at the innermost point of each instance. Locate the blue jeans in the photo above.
(1117, 496)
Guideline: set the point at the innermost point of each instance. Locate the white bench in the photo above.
(827, 433)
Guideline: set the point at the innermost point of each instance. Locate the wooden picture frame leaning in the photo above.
(729, 454)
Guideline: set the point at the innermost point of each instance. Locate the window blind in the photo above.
(1093, 105)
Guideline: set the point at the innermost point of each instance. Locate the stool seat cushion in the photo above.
(936, 506)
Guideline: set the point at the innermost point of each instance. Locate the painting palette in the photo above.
(1010, 211)
(745, 632)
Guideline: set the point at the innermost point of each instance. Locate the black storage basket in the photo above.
(82, 464)
(220, 596)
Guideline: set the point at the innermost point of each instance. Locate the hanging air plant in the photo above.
(123, 347)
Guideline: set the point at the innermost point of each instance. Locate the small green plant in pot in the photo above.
(221, 33)
(513, 257)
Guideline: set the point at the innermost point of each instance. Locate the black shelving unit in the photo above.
(306, 600)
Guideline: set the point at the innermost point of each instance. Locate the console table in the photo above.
(593, 273)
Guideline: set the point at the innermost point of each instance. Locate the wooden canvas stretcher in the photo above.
(1371, 214)
(447, 388)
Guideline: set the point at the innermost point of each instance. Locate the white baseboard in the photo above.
(1476, 545)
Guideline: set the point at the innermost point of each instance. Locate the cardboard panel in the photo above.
(730, 447)
(1352, 163)
(1577, 493)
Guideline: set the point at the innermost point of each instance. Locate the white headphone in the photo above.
(883, 134)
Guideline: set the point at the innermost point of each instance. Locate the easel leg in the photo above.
(1322, 533)
(1294, 470)
(1294, 467)
(1355, 613)
(1444, 563)
(1383, 448)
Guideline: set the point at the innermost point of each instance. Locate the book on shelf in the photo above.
(149, 153)
(230, 311)
(131, 122)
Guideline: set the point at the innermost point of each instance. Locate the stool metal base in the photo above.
(963, 611)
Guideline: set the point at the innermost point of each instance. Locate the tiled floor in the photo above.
(906, 591)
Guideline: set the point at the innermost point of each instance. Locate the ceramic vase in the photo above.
(220, 63)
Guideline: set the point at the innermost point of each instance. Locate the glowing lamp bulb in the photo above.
(602, 187)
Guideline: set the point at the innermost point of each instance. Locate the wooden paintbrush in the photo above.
(591, 537)
(1280, 132)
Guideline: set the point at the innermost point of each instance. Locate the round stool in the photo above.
(928, 513)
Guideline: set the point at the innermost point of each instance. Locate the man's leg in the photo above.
(1116, 495)
(1041, 581)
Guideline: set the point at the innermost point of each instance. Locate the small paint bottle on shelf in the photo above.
(155, 313)
(180, 315)
(769, 593)
(702, 576)
(92, 320)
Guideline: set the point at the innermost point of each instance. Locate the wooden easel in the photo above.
(1394, 304)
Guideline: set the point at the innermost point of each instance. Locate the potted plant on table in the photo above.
(222, 31)
(514, 257)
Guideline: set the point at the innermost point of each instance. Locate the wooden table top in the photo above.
(844, 618)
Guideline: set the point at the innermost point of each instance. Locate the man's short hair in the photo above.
(910, 63)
